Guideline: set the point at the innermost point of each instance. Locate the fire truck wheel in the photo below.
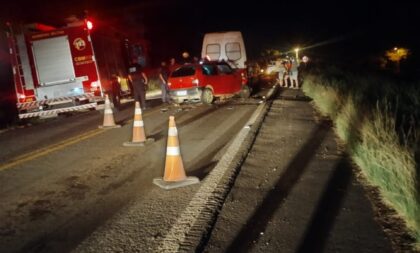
(207, 96)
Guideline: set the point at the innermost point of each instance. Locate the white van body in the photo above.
(228, 46)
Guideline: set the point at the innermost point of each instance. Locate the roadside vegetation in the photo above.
(377, 119)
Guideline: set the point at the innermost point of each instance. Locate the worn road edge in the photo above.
(193, 227)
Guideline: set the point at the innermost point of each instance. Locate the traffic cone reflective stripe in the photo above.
(109, 121)
(172, 131)
(138, 123)
(173, 151)
(139, 137)
(174, 175)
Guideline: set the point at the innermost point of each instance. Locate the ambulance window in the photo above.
(213, 51)
(184, 71)
(233, 51)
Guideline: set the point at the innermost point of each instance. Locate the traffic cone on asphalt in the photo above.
(139, 137)
(108, 116)
(174, 175)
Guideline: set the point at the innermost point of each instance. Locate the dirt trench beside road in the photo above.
(296, 191)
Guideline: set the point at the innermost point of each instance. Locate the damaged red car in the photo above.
(207, 81)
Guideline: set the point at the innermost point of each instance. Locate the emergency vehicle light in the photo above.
(94, 84)
(89, 24)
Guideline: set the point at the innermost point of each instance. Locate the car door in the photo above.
(228, 81)
(210, 77)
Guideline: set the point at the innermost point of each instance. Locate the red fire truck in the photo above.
(59, 70)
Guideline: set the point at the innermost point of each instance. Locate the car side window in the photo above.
(184, 71)
(224, 69)
(209, 70)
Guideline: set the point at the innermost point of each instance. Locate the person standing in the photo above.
(139, 81)
(163, 77)
(303, 69)
(186, 58)
(287, 66)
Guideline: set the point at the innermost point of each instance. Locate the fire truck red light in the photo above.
(89, 25)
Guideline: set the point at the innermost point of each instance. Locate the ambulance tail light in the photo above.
(244, 78)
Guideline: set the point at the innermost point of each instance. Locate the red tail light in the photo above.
(244, 78)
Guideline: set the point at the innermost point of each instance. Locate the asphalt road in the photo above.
(286, 187)
(63, 178)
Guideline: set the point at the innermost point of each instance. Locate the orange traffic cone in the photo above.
(139, 137)
(108, 116)
(174, 175)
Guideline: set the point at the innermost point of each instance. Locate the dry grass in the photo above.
(326, 94)
(380, 135)
(390, 166)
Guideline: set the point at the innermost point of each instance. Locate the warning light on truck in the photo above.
(89, 24)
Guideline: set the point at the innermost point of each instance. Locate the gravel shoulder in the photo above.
(296, 191)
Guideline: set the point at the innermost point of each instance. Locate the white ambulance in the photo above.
(227, 46)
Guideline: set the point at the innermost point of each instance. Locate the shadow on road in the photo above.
(327, 210)
(202, 171)
(157, 136)
(274, 198)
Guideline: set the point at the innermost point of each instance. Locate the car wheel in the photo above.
(245, 92)
(207, 96)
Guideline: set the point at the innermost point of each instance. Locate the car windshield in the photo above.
(184, 71)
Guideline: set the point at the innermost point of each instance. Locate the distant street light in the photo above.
(396, 55)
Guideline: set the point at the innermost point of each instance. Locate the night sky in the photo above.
(327, 29)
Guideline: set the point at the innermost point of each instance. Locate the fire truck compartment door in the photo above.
(53, 61)
(60, 91)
